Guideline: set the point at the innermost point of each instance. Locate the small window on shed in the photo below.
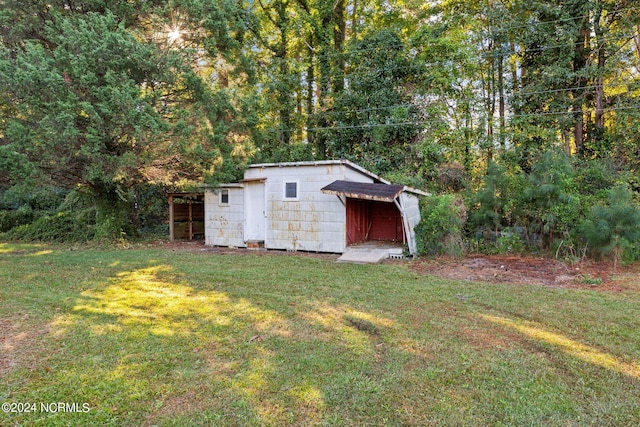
(224, 197)
(291, 190)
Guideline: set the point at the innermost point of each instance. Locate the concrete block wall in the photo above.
(224, 224)
(314, 221)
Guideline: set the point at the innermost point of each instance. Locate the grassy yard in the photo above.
(153, 336)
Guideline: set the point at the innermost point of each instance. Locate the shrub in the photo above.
(73, 221)
(614, 228)
(16, 217)
(440, 228)
(510, 243)
(452, 177)
(59, 227)
(548, 194)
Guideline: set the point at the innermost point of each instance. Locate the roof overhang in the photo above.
(364, 190)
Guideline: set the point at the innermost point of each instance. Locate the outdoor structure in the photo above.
(322, 206)
(186, 216)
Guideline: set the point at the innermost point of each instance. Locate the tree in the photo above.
(492, 198)
(613, 227)
(374, 122)
(549, 181)
(94, 109)
(445, 93)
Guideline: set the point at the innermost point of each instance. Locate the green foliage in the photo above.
(74, 220)
(373, 126)
(15, 217)
(594, 176)
(96, 96)
(614, 228)
(24, 203)
(58, 227)
(492, 199)
(547, 194)
(510, 242)
(441, 224)
(97, 104)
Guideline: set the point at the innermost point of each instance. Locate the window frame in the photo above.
(284, 191)
(221, 194)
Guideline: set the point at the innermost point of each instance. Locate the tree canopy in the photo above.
(103, 97)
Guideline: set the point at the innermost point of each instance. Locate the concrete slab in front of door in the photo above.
(369, 252)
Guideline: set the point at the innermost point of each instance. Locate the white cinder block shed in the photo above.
(322, 206)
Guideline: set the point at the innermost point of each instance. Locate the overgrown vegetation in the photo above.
(440, 230)
(614, 227)
(51, 214)
(562, 207)
(147, 336)
(526, 110)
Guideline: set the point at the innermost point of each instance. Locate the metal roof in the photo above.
(376, 178)
(364, 190)
(344, 162)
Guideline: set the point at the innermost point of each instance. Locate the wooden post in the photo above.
(190, 219)
(171, 230)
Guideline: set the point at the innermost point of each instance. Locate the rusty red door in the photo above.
(357, 220)
(386, 221)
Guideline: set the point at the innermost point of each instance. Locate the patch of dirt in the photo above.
(526, 270)
(531, 271)
(199, 246)
(17, 342)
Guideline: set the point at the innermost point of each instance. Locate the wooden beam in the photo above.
(190, 219)
(171, 229)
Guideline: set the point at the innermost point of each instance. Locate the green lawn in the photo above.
(152, 336)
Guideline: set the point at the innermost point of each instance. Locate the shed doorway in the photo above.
(255, 211)
(372, 220)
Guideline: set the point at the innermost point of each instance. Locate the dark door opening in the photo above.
(373, 220)
(186, 216)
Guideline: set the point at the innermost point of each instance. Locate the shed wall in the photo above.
(410, 205)
(314, 221)
(224, 223)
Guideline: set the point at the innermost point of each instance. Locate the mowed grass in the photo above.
(152, 336)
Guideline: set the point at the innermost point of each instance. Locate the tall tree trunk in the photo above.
(490, 97)
(468, 123)
(515, 81)
(599, 84)
(636, 39)
(310, 77)
(501, 101)
(580, 61)
(578, 130)
(339, 36)
(323, 98)
(282, 57)
(354, 21)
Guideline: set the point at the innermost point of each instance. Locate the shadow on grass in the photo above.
(159, 338)
(200, 355)
(31, 249)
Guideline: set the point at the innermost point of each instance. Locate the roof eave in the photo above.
(345, 162)
(362, 196)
